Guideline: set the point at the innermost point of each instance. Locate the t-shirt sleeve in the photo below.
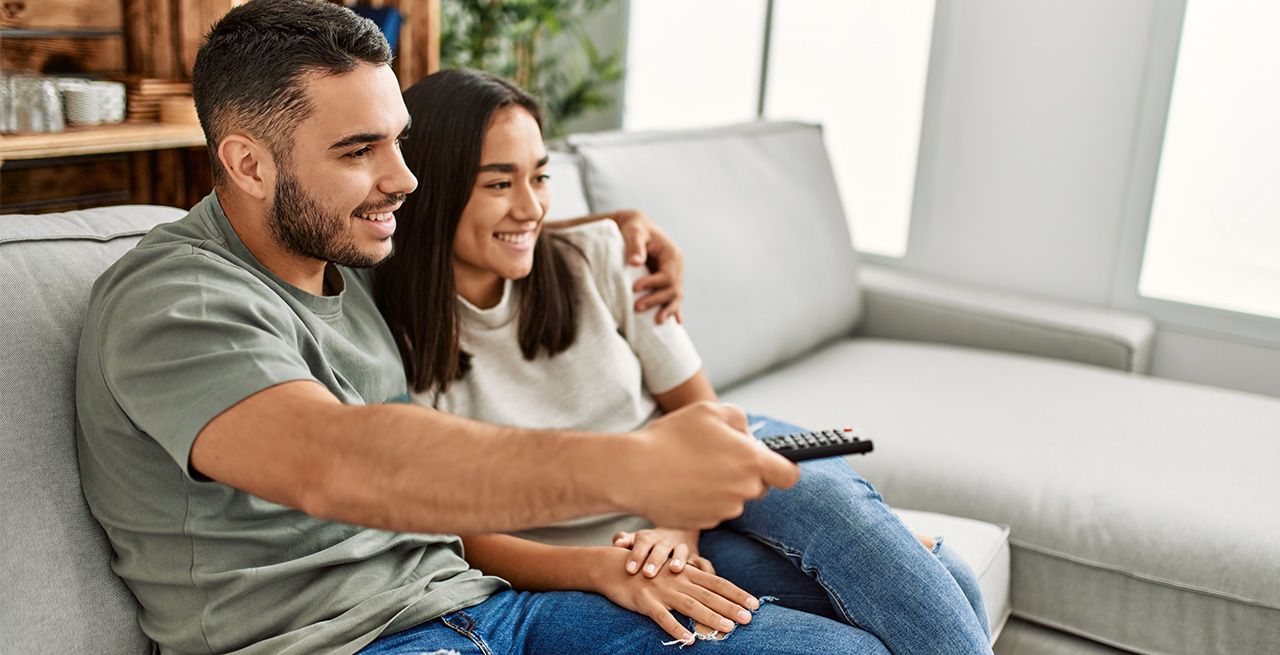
(667, 356)
(184, 340)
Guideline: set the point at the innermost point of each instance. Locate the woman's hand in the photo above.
(707, 599)
(656, 547)
(645, 241)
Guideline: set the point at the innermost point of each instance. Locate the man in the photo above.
(240, 437)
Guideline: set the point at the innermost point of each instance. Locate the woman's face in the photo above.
(503, 218)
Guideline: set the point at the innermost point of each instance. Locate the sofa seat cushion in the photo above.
(1142, 511)
(983, 546)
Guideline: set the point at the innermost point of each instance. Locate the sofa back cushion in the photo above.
(771, 272)
(59, 594)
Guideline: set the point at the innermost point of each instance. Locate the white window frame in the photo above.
(1153, 116)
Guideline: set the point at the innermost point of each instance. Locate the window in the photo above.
(1214, 234)
(694, 63)
(858, 67)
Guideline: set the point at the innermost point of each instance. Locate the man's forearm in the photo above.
(448, 474)
(410, 469)
(406, 468)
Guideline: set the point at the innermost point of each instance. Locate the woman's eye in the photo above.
(542, 179)
(498, 185)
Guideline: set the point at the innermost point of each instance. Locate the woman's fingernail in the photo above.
(753, 603)
(650, 569)
(744, 616)
(675, 563)
(726, 625)
(632, 566)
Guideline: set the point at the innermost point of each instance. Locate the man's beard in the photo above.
(302, 227)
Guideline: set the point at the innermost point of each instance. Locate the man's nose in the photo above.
(398, 178)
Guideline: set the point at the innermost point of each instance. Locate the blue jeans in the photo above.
(830, 546)
(581, 623)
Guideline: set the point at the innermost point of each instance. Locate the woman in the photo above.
(501, 321)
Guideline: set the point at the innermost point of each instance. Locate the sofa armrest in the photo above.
(914, 307)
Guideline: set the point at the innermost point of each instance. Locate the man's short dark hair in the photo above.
(251, 69)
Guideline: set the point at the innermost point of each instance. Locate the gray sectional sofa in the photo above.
(1102, 509)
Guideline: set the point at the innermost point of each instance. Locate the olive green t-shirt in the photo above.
(184, 326)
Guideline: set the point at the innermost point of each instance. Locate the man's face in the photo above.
(336, 188)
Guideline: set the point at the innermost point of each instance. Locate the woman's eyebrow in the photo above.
(511, 168)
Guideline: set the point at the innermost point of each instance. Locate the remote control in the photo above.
(803, 446)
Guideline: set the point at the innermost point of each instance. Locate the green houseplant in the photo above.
(540, 44)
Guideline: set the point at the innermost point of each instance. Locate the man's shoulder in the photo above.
(174, 264)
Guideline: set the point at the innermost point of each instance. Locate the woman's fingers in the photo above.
(657, 558)
(662, 616)
(640, 552)
(700, 612)
(623, 539)
(679, 557)
(723, 588)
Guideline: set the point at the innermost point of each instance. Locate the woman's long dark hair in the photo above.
(415, 289)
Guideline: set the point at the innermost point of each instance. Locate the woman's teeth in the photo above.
(514, 237)
(377, 218)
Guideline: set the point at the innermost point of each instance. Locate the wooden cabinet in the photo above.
(134, 162)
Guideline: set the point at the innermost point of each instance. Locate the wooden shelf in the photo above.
(127, 137)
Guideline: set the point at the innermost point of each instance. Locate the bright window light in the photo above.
(1214, 236)
(694, 63)
(859, 68)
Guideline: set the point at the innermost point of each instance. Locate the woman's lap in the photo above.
(577, 622)
(834, 528)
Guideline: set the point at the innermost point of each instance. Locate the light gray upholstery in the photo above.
(902, 305)
(1142, 511)
(567, 199)
(756, 207)
(59, 593)
(1024, 638)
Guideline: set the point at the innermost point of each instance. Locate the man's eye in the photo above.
(360, 154)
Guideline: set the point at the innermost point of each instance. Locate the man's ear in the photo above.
(249, 164)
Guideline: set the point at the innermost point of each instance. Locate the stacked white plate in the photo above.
(92, 103)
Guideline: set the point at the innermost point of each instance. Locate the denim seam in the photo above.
(831, 594)
(468, 632)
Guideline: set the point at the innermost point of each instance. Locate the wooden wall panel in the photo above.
(149, 38)
(62, 14)
(197, 17)
(57, 185)
(419, 45)
(62, 55)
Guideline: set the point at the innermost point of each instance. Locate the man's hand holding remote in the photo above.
(697, 466)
